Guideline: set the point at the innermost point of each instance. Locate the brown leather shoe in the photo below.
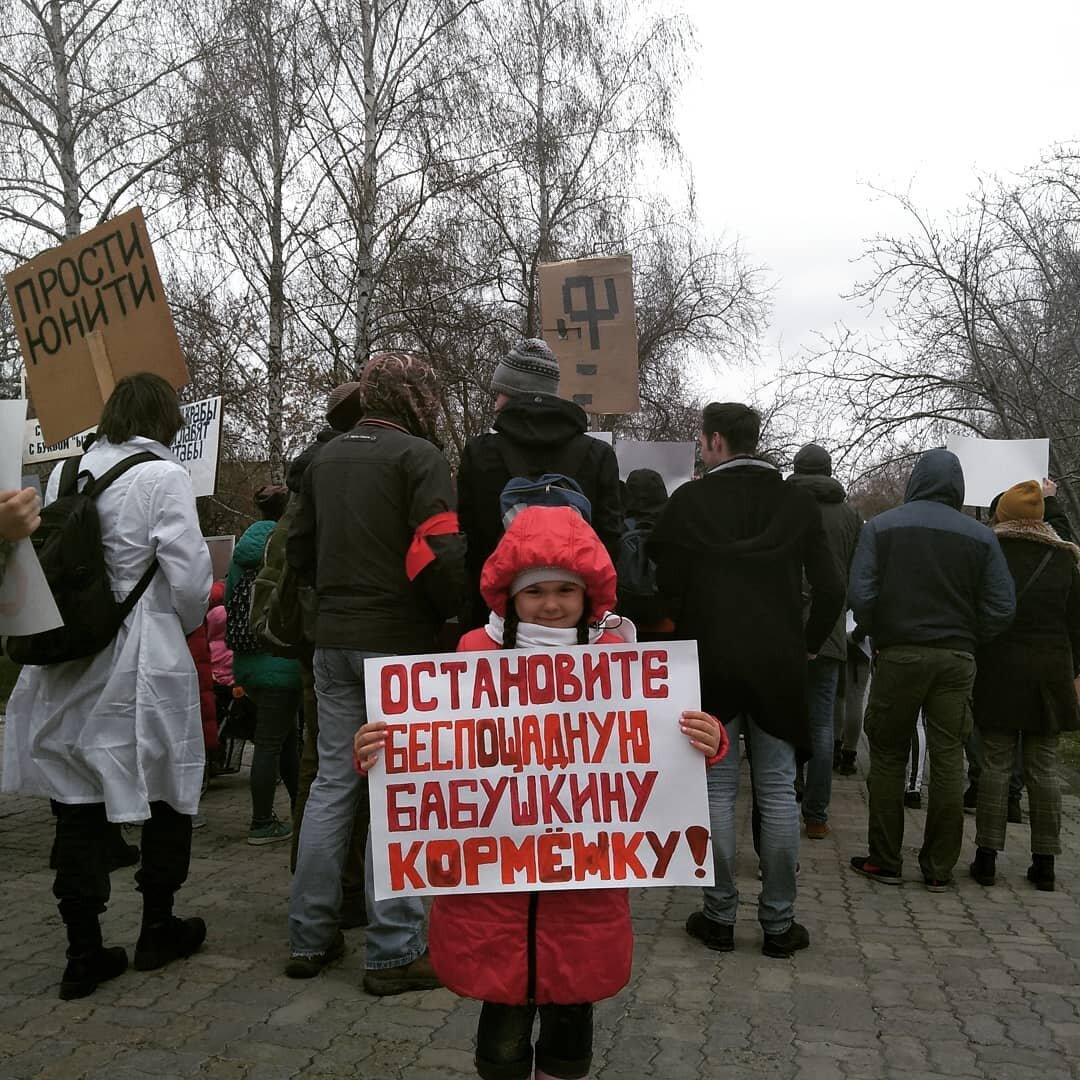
(817, 830)
(419, 975)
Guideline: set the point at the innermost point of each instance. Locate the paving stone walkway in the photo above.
(897, 983)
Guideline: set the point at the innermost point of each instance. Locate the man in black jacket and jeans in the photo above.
(534, 432)
(376, 533)
(731, 550)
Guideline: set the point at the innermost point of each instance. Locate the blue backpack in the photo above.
(525, 489)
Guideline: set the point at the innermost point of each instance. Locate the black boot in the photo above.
(847, 765)
(172, 939)
(89, 963)
(1041, 872)
(983, 869)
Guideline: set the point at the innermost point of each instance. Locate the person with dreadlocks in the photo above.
(376, 534)
(549, 583)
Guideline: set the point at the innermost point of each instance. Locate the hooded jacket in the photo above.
(549, 434)
(731, 550)
(926, 574)
(842, 524)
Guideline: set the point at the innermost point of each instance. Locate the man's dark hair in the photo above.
(738, 424)
(143, 404)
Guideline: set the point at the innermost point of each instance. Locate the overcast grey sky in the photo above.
(793, 108)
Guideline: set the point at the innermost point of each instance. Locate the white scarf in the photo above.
(534, 636)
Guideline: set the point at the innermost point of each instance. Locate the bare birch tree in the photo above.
(89, 113)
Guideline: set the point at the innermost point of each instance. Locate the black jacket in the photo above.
(362, 500)
(1024, 679)
(842, 524)
(549, 434)
(926, 574)
(731, 550)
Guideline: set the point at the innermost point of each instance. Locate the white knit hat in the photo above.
(544, 573)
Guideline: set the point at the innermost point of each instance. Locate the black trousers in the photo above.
(504, 1048)
(81, 886)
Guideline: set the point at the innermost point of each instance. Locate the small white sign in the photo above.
(36, 451)
(196, 446)
(992, 466)
(26, 602)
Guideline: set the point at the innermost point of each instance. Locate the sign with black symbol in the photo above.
(587, 306)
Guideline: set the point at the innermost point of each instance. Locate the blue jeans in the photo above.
(822, 679)
(395, 931)
(772, 768)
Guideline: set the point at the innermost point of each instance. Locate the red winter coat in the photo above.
(199, 646)
(583, 943)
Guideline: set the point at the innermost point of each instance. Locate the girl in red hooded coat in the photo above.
(549, 583)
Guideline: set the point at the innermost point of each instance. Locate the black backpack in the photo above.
(639, 597)
(69, 548)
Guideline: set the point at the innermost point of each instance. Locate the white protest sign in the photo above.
(991, 466)
(197, 445)
(26, 603)
(537, 769)
(674, 461)
(36, 450)
(602, 436)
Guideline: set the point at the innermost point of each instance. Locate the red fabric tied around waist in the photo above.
(420, 556)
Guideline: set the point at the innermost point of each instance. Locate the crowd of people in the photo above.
(803, 616)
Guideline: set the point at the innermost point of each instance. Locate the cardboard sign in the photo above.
(221, 553)
(674, 461)
(26, 602)
(588, 317)
(992, 466)
(198, 444)
(36, 451)
(86, 314)
(537, 769)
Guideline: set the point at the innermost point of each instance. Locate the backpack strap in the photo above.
(69, 477)
(1035, 576)
(95, 486)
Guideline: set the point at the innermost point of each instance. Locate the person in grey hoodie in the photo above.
(929, 584)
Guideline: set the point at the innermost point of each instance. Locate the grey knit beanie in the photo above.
(530, 367)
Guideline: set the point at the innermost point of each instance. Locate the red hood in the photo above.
(550, 536)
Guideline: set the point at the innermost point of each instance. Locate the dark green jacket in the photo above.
(261, 669)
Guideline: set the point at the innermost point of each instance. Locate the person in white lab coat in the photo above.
(117, 737)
